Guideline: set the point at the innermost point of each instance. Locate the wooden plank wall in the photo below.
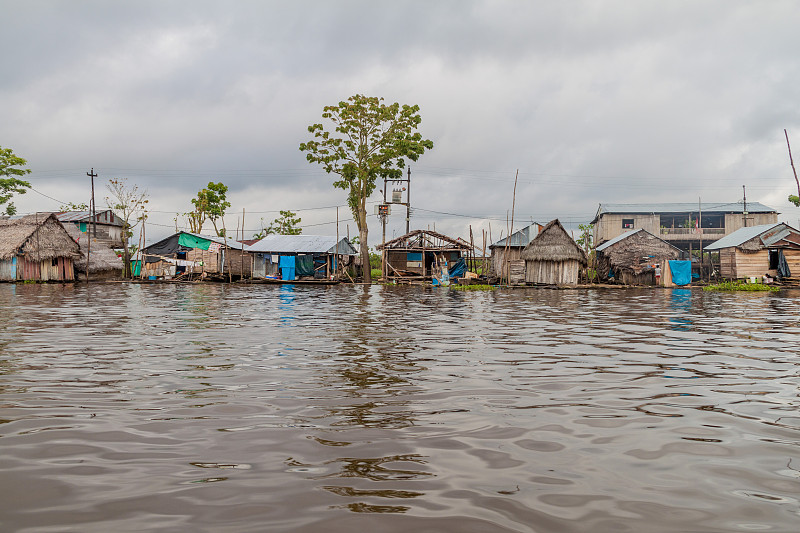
(552, 272)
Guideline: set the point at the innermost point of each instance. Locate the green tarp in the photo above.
(305, 265)
(190, 241)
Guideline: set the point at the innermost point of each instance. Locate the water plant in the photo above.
(740, 286)
(473, 287)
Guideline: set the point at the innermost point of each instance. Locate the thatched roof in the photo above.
(103, 258)
(554, 244)
(37, 237)
(637, 251)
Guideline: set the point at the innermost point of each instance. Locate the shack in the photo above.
(37, 248)
(506, 254)
(772, 249)
(636, 258)
(291, 257)
(418, 253)
(553, 257)
(193, 255)
(101, 260)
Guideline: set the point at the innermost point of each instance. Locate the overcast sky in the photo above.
(593, 102)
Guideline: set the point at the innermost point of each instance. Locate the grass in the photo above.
(740, 286)
(473, 287)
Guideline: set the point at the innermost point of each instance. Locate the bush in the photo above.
(740, 286)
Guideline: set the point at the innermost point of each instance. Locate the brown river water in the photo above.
(220, 408)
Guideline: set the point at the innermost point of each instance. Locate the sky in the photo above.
(582, 102)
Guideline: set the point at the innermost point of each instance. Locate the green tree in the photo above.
(72, 206)
(130, 205)
(210, 204)
(10, 182)
(367, 140)
(286, 224)
(585, 239)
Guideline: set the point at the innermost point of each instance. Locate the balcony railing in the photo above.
(693, 231)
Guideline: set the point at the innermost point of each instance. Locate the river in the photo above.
(127, 407)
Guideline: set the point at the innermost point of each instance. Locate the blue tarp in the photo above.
(287, 266)
(458, 269)
(681, 272)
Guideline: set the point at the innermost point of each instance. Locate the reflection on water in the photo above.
(294, 408)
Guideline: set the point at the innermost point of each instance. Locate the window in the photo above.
(627, 223)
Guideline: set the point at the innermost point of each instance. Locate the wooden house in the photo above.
(635, 258)
(759, 250)
(506, 254)
(36, 248)
(417, 253)
(105, 226)
(290, 257)
(194, 255)
(553, 257)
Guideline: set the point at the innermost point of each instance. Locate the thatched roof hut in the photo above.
(553, 257)
(633, 257)
(36, 247)
(103, 261)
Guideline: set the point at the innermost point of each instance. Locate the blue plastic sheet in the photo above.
(681, 272)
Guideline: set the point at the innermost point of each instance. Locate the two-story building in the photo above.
(688, 226)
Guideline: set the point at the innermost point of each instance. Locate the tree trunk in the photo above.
(362, 237)
(126, 255)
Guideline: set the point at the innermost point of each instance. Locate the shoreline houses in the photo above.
(686, 226)
(422, 254)
(107, 227)
(36, 247)
(506, 254)
(287, 257)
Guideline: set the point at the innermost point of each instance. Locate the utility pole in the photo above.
(744, 209)
(408, 202)
(89, 235)
(92, 210)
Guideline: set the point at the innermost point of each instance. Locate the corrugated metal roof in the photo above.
(79, 216)
(302, 244)
(519, 238)
(736, 207)
(741, 236)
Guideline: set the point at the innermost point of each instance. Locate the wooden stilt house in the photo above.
(291, 257)
(635, 258)
(193, 255)
(506, 254)
(36, 248)
(416, 254)
(759, 250)
(553, 257)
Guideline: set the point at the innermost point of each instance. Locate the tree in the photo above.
(210, 204)
(368, 140)
(585, 239)
(72, 206)
(285, 224)
(10, 183)
(130, 205)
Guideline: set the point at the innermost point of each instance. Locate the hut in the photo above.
(36, 248)
(636, 258)
(506, 254)
(100, 259)
(292, 257)
(191, 254)
(553, 257)
(772, 249)
(417, 254)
